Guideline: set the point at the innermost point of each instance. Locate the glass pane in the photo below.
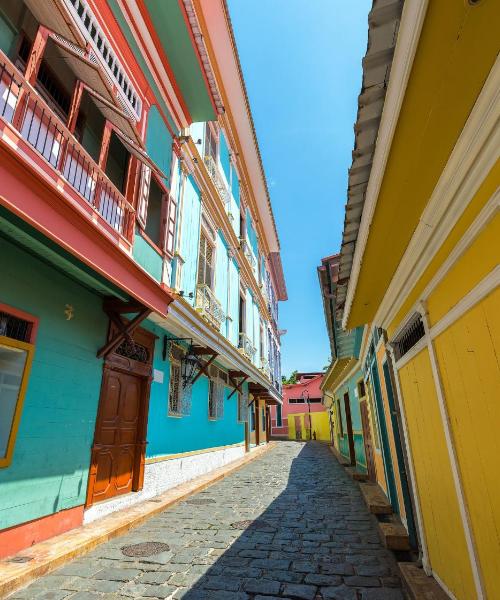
(12, 362)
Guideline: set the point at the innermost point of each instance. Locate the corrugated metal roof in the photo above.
(383, 25)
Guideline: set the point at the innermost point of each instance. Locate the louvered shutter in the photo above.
(171, 219)
(142, 202)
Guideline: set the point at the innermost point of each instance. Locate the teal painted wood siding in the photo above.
(256, 334)
(159, 141)
(234, 302)
(224, 156)
(221, 276)
(251, 234)
(49, 470)
(147, 257)
(190, 237)
(172, 435)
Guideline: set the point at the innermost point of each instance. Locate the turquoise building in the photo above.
(140, 263)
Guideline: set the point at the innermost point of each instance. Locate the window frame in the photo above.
(204, 235)
(178, 412)
(279, 413)
(211, 400)
(29, 348)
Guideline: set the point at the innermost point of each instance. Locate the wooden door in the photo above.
(367, 436)
(118, 453)
(268, 424)
(350, 434)
(298, 427)
(114, 451)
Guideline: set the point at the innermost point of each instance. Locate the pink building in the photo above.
(294, 402)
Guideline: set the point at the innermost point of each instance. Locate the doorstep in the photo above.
(345, 462)
(42, 558)
(375, 499)
(418, 584)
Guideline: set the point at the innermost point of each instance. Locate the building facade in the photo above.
(302, 415)
(419, 271)
(140, 267)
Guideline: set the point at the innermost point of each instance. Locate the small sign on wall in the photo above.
(157, 376)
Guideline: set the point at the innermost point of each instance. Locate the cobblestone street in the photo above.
(290, 524)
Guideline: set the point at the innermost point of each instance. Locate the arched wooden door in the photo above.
(118, 451)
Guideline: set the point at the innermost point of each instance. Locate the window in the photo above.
(16, 354)
(315, 400)
(174, 393)
(361, 389)
(413, 332)
(212, 404)
(252, 418)
(263, 418)
(212, 141)
(206, 262)
(279, 416)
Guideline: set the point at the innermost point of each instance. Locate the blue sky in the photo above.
(302, 65)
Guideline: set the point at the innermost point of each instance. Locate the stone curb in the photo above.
(51, 554)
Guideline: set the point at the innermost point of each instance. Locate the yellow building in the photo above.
(420, 259)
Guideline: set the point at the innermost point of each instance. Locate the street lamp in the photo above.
(305, 398)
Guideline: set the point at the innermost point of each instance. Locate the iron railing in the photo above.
(209, 306)
(246, 346)
(25, 110)
(218, 180)
(265, 368)
(248, 252)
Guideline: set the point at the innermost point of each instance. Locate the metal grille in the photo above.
(411, 334)
(243, 405)
(174, 393)
(15, 328)
(186, 399)
(130, 349)
(219, 399)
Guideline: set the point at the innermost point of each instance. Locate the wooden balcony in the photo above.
(24, 110)
(209, 306)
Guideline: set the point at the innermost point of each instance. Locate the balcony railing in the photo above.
(24, 109)
(265, 368)
(248, 252)
(208, 305)
(218, 180)
(246, 346)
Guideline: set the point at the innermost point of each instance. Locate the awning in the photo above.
(140, 154)
(113, 114)
(54, 15)
(87, 71)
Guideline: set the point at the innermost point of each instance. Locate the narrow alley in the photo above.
(299, 529)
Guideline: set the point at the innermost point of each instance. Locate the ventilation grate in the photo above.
(409, 337)
(15, 328)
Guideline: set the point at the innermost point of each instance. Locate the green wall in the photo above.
(147, 256)
(49, 469)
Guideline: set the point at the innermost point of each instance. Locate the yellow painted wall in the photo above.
(440, 511)
(474, 207)
(480, 258)
(319, 424)
(381, 356)
(468, 354)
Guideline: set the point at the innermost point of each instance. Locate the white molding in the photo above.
(488, 212)
(472, 158)
(452, 455)
(444, 586)
(356, 367)
(410, 355)
(487, 285)
(412, 20)
(414, 485)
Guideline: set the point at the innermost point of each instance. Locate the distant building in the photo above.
(291, 421)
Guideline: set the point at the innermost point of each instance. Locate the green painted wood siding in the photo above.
(190, 237)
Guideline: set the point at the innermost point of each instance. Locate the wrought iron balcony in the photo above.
(217, 178)
(208, 305)
(246, 346)
(248, 252)
(23, 108)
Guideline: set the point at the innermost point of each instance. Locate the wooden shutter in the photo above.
(143, 198)
(170, 224)
(206, 262)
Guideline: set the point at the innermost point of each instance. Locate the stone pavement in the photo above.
(290, 524)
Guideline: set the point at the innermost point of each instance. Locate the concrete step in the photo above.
(418, 585)
(375, 499)
(357, 475)
(394, 534)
